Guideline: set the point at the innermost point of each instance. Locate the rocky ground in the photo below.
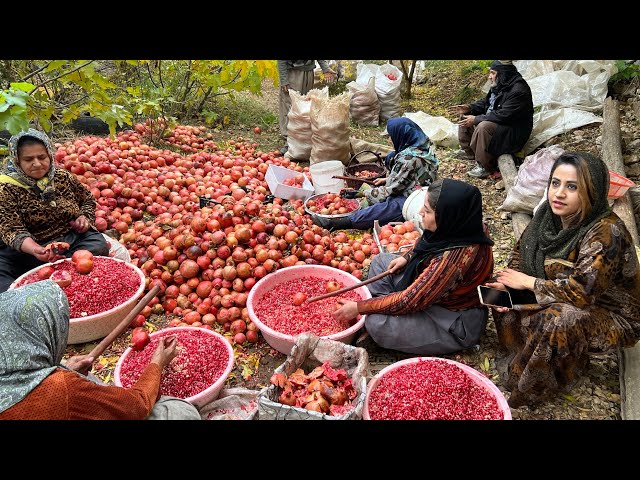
(598, 394)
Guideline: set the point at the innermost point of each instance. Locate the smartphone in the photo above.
(494, 297)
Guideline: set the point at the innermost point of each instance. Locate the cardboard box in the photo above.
(276, 175)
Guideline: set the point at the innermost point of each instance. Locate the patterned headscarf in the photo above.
(407, 135)
(45, 186)
(33, 338)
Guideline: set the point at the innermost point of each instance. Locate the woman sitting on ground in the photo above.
(34, 386)
(41, 204)
(432, 306)
(411, 165)
(575, 280)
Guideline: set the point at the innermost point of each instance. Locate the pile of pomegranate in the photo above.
(331, 204)
(394, 235)
(205, 260)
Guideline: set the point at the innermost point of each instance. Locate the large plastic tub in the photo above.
(208, 394)
(477, 378)
(283, 342)
(275, 177)
(93, 327)
(413, 204)
(322, 176)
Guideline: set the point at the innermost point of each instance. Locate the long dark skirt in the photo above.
(546, 351)
(433, 331)
(14, 263)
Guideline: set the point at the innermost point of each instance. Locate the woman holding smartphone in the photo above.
(577, 263)
(431, 306)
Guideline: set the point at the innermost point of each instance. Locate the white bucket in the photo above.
(413, 204)
(322, 173)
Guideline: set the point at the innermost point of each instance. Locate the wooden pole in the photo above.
(124, 324)
(612, 156)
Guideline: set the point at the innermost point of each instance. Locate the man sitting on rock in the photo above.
(497, 124)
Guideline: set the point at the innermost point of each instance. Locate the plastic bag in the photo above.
(232, 404)
(531, 181)
(388, 91)
(117, 250)
(364, 106)
(299, 126)
(330, 128)
(366, 71)
(308, 352)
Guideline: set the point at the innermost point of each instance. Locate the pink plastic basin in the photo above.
(477, 377)
(92, 327)
(208, 394)
(283, 342)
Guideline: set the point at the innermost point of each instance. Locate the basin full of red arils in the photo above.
(98, 300)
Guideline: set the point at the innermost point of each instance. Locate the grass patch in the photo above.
(242, 109)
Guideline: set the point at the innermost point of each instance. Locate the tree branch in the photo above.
(24, 79)
(60, 76)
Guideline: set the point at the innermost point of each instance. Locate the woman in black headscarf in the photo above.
(499, 123)
(432, 307)
(577, 265)
(41, 204)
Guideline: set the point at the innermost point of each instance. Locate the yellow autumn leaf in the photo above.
(486, 363)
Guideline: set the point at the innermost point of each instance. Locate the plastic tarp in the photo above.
(565, 94)
(440, 131)
(550, 123)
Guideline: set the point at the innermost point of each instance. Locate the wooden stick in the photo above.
(363, 180)
(124, 324)
(346, 289)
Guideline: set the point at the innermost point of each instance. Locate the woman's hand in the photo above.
(498, 286)
(45, 255)
(467, 121)
(165, 351)
(80, 224)
(514, 279)
(80, 363)
(346, 313)
(380, 181)
(397, 264)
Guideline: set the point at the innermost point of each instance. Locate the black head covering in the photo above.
(545, 237)
(459, 223)
(507, 74)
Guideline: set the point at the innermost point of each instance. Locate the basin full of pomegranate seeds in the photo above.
(98, 300)
(429, 388)
(275, 307)
(198, 372)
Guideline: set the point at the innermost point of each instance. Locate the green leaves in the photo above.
(13, 107)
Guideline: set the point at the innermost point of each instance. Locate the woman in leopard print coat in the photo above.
(41, 204)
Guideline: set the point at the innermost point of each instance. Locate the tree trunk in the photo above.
(629, 358)
(509, 174)
(612, 156)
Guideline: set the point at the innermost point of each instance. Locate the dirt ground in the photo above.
(598, 394)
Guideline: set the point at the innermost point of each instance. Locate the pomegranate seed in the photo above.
(200, 362)
(108, 285)
(431, 390)
(276, 310)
